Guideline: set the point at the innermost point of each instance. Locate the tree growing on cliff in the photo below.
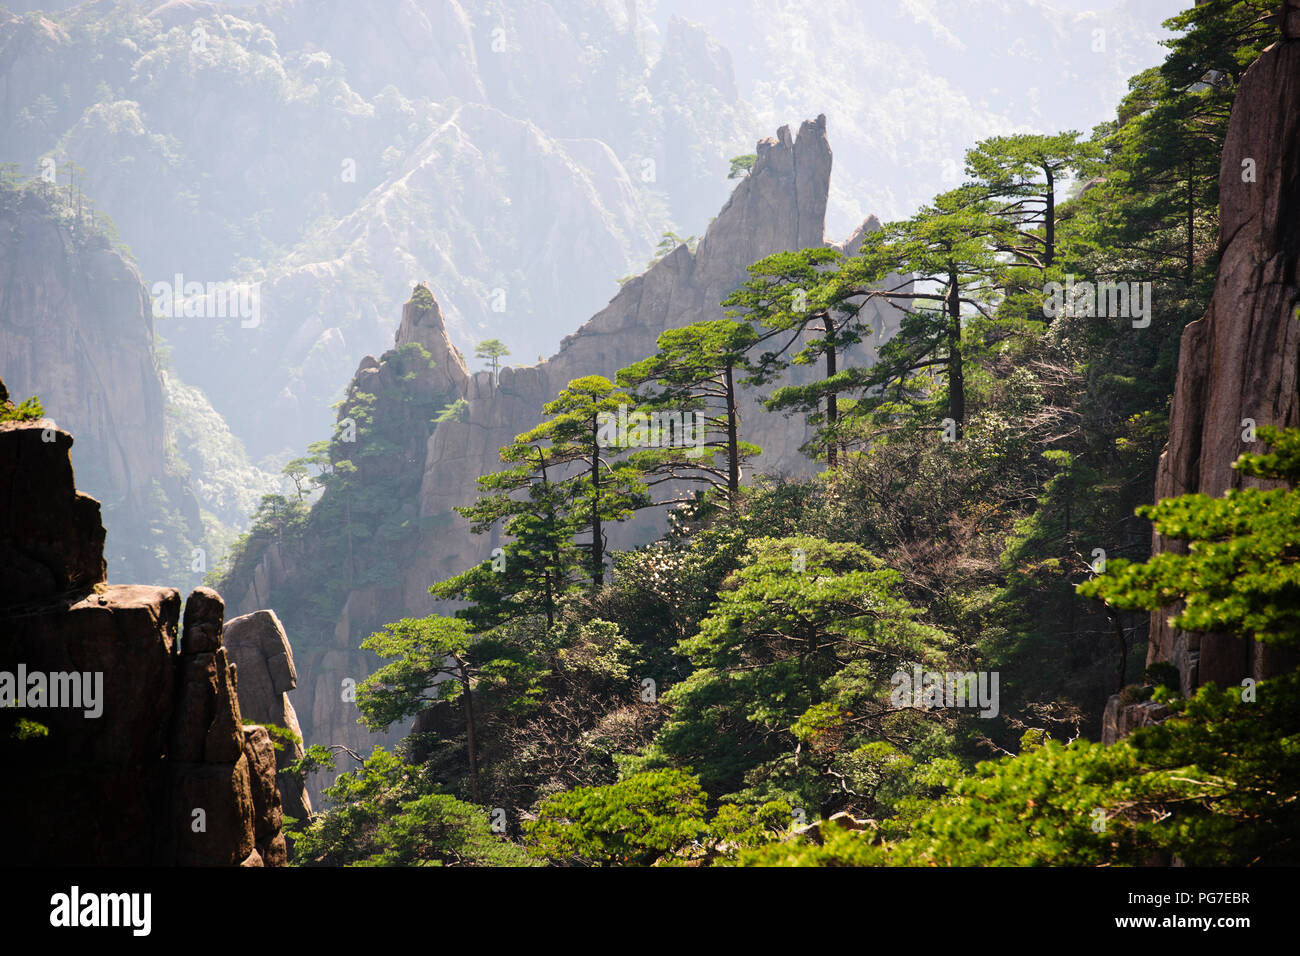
(1240, 573)
(597, 487)
(539, 565)
(698, 369)
(493, 350)
(950, 250)
(741, 166)
(1158, 200)
(668, 242)
(296, 471)
(28, 410)
(788, 294)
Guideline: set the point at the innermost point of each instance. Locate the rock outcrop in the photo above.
(51, 536)
(1240, 361)
(1123, 716)
(396, 397)
(780, 206)
(124, 745)
(258, 647)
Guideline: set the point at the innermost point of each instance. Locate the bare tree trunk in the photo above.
(1123, 648)
(597, 545)
(733, 443)
(547, 572)
(956, 381)
(1049, 217)
(1191, 224)
(469, 733)
(832, 401)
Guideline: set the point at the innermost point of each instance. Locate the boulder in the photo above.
(1123, 716)
(93, 789)
(267, 815)
(204, 613)
(212, 813)
(259, 647)
(51, 537)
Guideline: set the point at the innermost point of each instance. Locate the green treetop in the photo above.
(949, 250)
(741, 166)
(598, 487)
(788, 294)
(493, 350)
(792, 677)
(699, 368)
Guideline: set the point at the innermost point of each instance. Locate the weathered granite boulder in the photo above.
(92, 789)
(212, 813)
(204, 612)
(267, 813)
(258, 646)
(1122, 717)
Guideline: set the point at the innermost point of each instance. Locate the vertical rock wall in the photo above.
(135, 751)
(1240, 361)
(76, 329)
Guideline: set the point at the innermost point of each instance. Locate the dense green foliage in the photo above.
(735, 685)
(28, 410)
(645, 818)
(789, 695)
(386, 818)
(1215, 782)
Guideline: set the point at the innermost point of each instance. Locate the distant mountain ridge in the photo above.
(518, 154)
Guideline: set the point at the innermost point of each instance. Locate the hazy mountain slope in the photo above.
(75, 330)
(909, 86)
(531, 148)
(518, 155)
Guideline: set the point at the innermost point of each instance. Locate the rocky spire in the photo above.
(423, 322)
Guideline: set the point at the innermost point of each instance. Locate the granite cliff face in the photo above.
(1240, 361)
(393, 400)
(76, 330)
(121, 721)
(780, 206)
